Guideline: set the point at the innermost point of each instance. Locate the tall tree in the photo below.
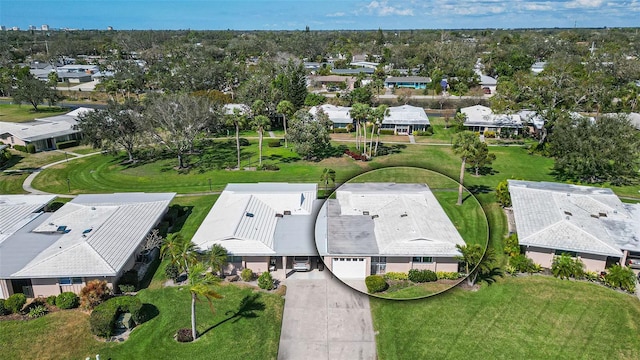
(260, 123)
(179, 251)
(377, 116)
(476, 261)
(33, 91)
(200, 284)
(286, 108)
(175, 120)
(238, 120)
(360, 113)
(115, 127)
(292, 83)
(328, 175)
(465, 144)
(481, 158)
(309, 135)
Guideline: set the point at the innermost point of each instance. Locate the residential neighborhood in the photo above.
(320, 194)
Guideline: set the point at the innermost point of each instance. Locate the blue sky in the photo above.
(318, 14)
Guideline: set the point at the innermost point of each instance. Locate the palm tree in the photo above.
(286, 108)
(217, 258)
(360, 113)
(465, 144)
(476, 261)
(328, 175)
(378, 115)
(200, 286)
(181, 252)
(238, 120)
(260, 123)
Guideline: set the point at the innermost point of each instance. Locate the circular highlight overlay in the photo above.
(395, 232)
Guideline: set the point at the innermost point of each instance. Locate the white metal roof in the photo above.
(406, 114)
(44, 128)
(337, 114)
(229, 108)
(479, 115)
(18, 210)
(407, 220)
(245, 217)
(103, 232)
(573, 218)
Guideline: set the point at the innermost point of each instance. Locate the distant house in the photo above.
(332, 80)
(361, 70)
(481, 119)
(403, 120)
(229, 109)
(77, 73)
(537, 67)
(374, 228)
(43, 133)
(412, 82)
(488, 84)
(263, 226)
(634, 118)
(589, 223)
(97, 236)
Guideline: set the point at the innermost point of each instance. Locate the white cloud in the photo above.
(382, 8)
(337, 14)
(584, 3)
(536, 6)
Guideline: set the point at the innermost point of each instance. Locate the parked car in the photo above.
(633, 263)
(301, 263)
(486, 90)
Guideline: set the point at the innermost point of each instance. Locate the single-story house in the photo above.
(403, 120)
(374, 228)
(538, 67)
(363, 70)
(339, 115)
(332, 80)
(43, 133)
(590, 223)
(481, 119)
(228, 109)
(487, 82)
(413, 82)
(634, 118)
(96, 236)
(263, 226)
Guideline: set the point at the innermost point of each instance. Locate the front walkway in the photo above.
(26, 185)
(325, 319)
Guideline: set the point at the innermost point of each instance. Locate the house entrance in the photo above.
(22, 286)
(378, 265)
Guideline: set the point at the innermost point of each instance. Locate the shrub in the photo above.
(51, 300)
(171, 271)
(20, 148)
(184, 335)
(129, 279)
(621, 277)
(375, 284)
(67, 300)
(94, 293)
(3, 309)
(592, 276)
(503, 195)
(387, 132)
(126, 288)
(274, 143)
(15, 303)
(392, 275)
(244, 142)
(420, 276)
(37, 311)
(265, 281)
(427, 132)
(490, 134)
(521, 263)
(246, 274)
(269, 167)
(31, 149)
(67, 144)
(564, 267)
(448, 275)
(340, 130)
(104, 316)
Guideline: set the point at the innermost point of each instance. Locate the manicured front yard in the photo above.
(533, 317)
(245, 325)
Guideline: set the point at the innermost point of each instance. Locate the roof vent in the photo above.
(93, 208)
(279, 215)
(248, 214)
(287, 212)
(365, 213)
(595, 216)
(404, 215)
(374, 217)
(568, 213)
(603, 214)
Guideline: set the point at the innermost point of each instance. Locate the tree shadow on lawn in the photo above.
(148, 312)
(479, 189)
(279, 159)
(247, 309)
(13, 161)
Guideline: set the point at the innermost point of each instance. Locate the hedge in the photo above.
(103, 318)
(340, 131)
(420, 276)
(15, 302)
(387, 132)
(274, 143)
(67, 300)
(67, 144)
(20, 148)
(265, 281)
(3, 310)
(375, 283)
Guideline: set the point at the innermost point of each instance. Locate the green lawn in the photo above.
(25, 161)
(517, 318)
(232, 332)
(25, 112)
(12, 183)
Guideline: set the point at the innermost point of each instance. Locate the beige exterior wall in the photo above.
(258, 264)
(541, 256)
(398, 264)
(592, 262)
(12, 140)
(5, 288)
(45, 287)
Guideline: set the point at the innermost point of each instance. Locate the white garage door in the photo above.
(349, 268)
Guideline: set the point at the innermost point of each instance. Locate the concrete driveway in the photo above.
(325, 319)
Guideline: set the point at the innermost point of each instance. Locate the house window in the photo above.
(570, 253)
(423, 259)
(70, 281)
(234, 259)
